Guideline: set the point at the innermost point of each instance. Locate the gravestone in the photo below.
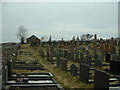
(107, 57)
(47, 54)
(95, 56)
(98, 63)
(95, 49)
(84, 73)
(68, 56)
(101, 45)
(74, 70)
(72, 55)
(115, 57)
(9, 70)
(62, 43)
(58, 60)
(65, 53)
(62, 53)
(73, 42)
(64, 65)
(88, 60)
(78, 41)
(82, 59)
(51, 57)
(115, 64)
(76, 56)
(113, 51)
(100, 57)
(119, 51)
(103, 55)
(95, 39)
(6, 73)
(101, 80)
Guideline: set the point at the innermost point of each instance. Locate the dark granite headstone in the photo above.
(95, 49)
(5, 73)
(95, 56)
(64, 65)
(76, 56)
(74, 70)
(47, 54)
(101, 80)
(84, 73)
(82, 59)
(115, 67)
(68, 56)
(51, 57)
(115, 57)
(9, 70)
(100, 57)
(72, 56)
(58, 60)
(107, 57)
(88, 60)
(65, 53)
(113, 51)
(98, 63)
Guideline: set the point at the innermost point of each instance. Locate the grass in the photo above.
(62, 77)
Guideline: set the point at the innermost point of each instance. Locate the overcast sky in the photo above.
(60, 19)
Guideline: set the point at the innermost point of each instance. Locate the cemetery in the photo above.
(62, 65)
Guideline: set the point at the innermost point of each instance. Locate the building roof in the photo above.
(33, 36)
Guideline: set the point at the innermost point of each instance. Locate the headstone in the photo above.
(64, 65)
(115, 64)
(6, 73)
(76, 56)
(78, 41)
(58, 60)
(101, 80)
(95, 38)
(65, 53)
(112, 46)
(88, 60)
(107, 58)
(101, 45)
(74, 70)
(106, 49)
(95, 49)
(95, 56)
(47, 55)
(51, 57)
(113, 50)
(119, 51)
(100, 57)
(82, 59)
(68, 56)
(62, 43)
(73, 42)
(115, 57)
(72, 55)
(9, 70)
(61, 53)
(84, 73)
(98, 63)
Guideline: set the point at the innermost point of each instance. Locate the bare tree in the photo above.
(86, 37)
(44, 38)
(22, 33)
